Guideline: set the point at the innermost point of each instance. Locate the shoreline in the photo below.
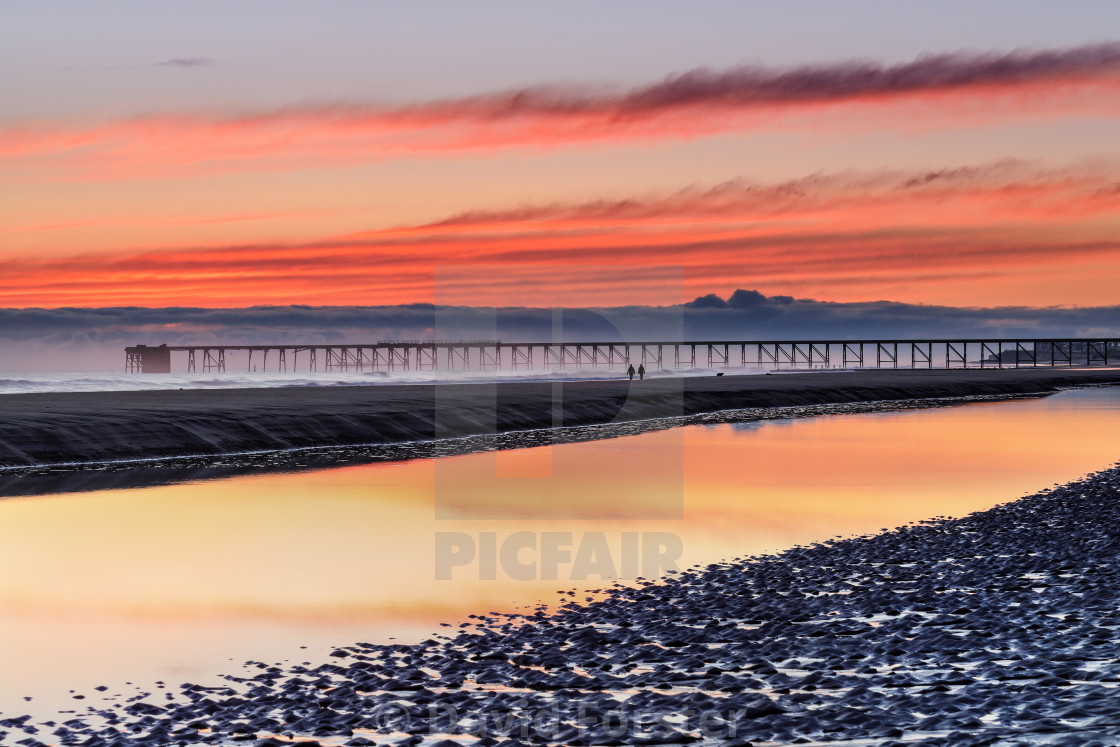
(996, 628)
(77, 477)
(76, 428)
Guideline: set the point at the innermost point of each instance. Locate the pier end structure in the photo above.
(149, 360)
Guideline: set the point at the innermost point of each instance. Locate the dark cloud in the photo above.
(746, 85)
(746, 299)
(186, 62)
(710, 301)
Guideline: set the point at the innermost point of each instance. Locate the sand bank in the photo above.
(87, 427)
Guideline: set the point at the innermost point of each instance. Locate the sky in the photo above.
(229, 155)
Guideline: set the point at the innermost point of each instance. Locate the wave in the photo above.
(42, 382)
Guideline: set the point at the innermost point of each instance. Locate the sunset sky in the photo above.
(225, 155)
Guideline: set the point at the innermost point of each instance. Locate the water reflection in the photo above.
(174, 582)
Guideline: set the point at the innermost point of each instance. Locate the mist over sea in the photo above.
(111, 381)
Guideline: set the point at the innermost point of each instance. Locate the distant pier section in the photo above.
(491, 355)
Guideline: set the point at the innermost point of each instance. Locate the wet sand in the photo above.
(999, 628)
(93, 427)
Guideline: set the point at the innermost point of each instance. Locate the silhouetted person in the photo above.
(630, 371)
(641, 371)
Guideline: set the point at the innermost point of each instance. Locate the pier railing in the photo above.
(490, 355)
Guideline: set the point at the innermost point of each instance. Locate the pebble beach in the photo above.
(998, 628)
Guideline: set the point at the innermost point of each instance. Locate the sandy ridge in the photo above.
(41, 429)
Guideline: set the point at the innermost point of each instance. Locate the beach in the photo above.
(998, 628)
(45, 429)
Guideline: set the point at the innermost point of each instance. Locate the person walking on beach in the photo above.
(641, 371)
(630, 371)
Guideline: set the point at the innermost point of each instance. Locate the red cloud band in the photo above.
(861, 229)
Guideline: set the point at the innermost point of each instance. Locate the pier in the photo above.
(492, 355)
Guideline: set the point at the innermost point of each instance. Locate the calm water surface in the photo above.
(183, 583)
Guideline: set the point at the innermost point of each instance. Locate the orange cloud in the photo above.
(944, 88)
(866, 233)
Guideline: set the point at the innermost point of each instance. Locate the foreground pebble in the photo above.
(1000, 628)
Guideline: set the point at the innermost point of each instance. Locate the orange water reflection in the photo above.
(172, 582)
